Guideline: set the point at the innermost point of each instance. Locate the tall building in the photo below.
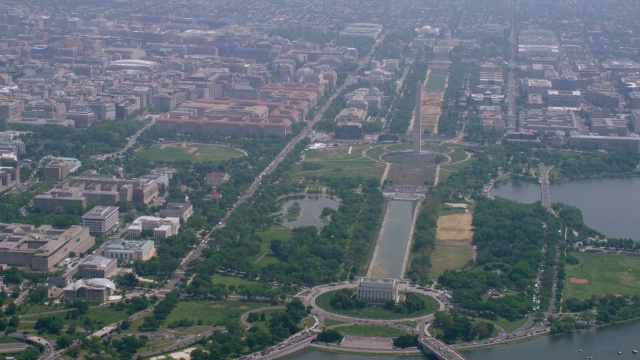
(417, 126)
(101, 219)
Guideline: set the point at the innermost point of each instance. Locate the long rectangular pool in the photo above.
(388, 260)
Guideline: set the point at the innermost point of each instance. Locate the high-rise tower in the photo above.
(417, 128)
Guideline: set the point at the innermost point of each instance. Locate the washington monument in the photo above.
(417, 128)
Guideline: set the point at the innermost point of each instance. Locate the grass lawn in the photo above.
(212, 312)
(264, 325)
(605, 274)
(220, 279)
(436, 82)
(340, 153)
(307, 322)
(370, 331)
(445, 258)
(438, 71)
(195, 152)
(331, 322)
(507, 325)
(350, 168)
(8, 340)
(377, 312)
(279, 232)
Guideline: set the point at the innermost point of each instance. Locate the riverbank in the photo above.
(347, 350)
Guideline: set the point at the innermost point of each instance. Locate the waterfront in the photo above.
(608, 205)
(311, 208)
(388, 260)
(601, 343)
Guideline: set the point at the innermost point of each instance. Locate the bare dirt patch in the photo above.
(578, 280)
(217, 306)
(455, 227)
(243, 307)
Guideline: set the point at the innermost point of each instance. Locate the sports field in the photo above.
(603, 274)
(186, 151)
(453, 243)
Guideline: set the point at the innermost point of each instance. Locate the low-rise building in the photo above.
(101, 219)
(179, 210)
(216, 179)
(161, 227)
(93, 290)
(598, 142)
(548, 120)
(564, 98)
(41, 247)
(377, 290)
(130, 250)
(96, 266)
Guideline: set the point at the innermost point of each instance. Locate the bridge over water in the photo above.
(435, 347)
(544, 186)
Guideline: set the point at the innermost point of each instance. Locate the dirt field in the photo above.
(455, 227)
(453, 244)
(578, 281)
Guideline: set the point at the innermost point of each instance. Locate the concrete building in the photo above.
(130, 250)
(417, 122)
(351, 115)
(604, 95)
(94, 189)
(349, 130)
(598, 142)
(101, 219)
(367, 30)
(56, 170)
(9, 177)
(564, 98)
(609, 126)
(43, 247)
(537, 86)
(161, 227)
(548, 120)
(377, 290)
(96, 266)
(178, 210)
(92, 290)
(216, 179)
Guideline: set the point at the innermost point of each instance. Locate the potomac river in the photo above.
(609, 205)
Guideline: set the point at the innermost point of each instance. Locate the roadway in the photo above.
(544, 186)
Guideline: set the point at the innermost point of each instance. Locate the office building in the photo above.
(130, 250)
(161, 227)
(548, 120)
(56, 170)
(178, 210)
(41, 247)
(377, 290)
(101, 219)
(564, 98)
(598, 142)
(96, 266)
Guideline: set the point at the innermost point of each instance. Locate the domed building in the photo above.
(94, 290)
